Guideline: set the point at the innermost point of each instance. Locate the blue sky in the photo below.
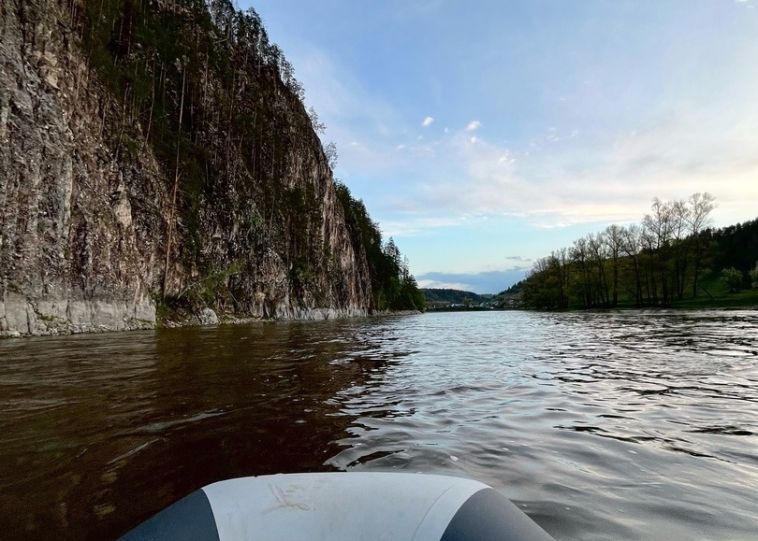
(482, 135)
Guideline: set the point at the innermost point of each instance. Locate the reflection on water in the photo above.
(623, 425)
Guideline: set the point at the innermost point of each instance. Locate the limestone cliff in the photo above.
(156, 161)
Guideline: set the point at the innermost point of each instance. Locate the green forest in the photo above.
(671, 258)
(393, 286)
(201, 84)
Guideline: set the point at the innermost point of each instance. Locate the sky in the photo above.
(483, 135)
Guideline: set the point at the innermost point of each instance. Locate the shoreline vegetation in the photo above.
(672, 259)
(737, 303)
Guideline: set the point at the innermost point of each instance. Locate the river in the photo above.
(610, 425)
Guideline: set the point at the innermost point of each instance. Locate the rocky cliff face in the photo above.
(181, 179)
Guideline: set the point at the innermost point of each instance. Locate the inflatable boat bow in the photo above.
(342, 507)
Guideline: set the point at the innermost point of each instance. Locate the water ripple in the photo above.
(659, 407)
(614, 425)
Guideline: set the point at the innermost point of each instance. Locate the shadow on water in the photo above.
(100, 432)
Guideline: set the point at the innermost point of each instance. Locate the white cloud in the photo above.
(427, 121)
(556, 178)
(434, 284)
(350, 110)
(581, 181)
(507, 157)
(415, 224)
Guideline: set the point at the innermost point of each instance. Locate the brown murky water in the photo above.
(625, 425)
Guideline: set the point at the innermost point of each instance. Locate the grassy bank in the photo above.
(715, 294)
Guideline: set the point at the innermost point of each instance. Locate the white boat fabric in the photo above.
(338, 506)
(355, 506)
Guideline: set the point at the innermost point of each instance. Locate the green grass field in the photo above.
(720, 297)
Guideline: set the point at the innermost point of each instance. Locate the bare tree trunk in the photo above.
(696, 266)
(152, 105)
(637, 282)
(172, 215)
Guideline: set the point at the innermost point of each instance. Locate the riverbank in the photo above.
(23, 318)
(683, 306)
(99, 317)
(713, 294)
(209, 317)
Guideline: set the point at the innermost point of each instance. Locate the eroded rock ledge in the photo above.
(22, 317)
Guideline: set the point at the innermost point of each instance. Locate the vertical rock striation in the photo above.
(106, 224)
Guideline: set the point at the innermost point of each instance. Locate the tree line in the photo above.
(658, 262)
(393, 286)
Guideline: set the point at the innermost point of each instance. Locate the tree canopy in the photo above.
(393, 286)
(659, 262)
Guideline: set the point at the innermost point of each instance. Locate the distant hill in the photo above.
(453, 296)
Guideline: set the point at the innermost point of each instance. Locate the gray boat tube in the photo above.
(342, 507)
